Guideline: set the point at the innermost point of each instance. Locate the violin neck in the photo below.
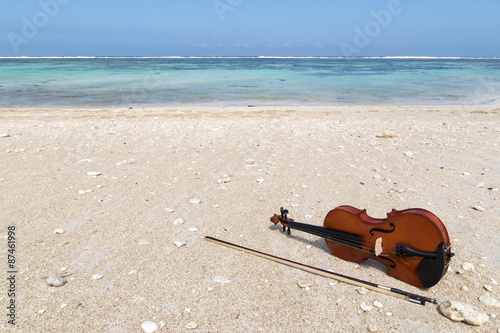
(344, 238)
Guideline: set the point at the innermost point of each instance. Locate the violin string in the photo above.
(335, 238)
(365, 246)
(325, 233)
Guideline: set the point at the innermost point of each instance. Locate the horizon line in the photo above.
(248, 57)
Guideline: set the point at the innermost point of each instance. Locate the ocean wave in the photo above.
(251, 57)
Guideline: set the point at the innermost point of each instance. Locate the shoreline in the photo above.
(217, 110)
(121, 222)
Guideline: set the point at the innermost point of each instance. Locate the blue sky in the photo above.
(250, 28)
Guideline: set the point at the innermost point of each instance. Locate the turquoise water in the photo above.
(98, 82)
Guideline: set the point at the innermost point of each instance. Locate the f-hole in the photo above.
(393, 264)
(383, 230)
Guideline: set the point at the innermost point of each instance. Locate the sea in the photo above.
(87, 82)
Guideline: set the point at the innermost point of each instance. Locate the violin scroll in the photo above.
(276, 219)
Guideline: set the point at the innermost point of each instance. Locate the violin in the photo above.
(413, 243)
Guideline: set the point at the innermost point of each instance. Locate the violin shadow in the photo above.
(320, 243)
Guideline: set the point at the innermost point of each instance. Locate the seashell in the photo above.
(305, 283)
(385, 135)
(225, 179)
(149, 327)
(195, 201)
(362, 290)
(489, 300)
(365, 307)
(478, 208)
(221, 279)
(191, 325)
(56, 281)
(468, 266)
(93, 173)
(179, 221)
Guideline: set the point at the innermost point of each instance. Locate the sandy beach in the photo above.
(118, 201)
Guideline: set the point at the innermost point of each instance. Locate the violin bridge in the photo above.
(378, 246)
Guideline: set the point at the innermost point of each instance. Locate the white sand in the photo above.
(310, 160)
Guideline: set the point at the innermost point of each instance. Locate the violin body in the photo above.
(413, 244)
